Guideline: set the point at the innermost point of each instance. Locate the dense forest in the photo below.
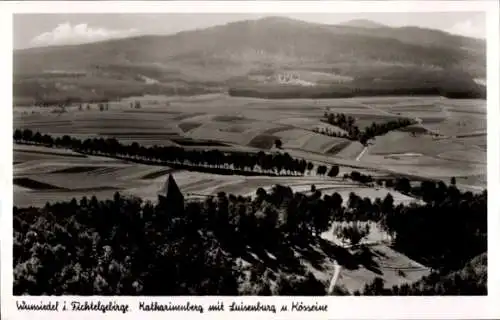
(127, 247)
(449, 88)
(42, 92)
(470, 280)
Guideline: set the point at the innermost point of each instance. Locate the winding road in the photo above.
(333, 280)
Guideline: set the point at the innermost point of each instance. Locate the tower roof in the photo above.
(170, 189)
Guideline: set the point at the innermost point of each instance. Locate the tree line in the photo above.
(123, 246)
(268, 163)
(359, 88)
(352, 131)
(240, 162)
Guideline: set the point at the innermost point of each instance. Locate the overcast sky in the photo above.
(32, 30)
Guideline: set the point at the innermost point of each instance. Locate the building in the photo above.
(170, 196)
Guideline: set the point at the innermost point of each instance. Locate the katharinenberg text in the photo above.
(154, 306)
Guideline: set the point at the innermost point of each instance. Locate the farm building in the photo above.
(170, 196)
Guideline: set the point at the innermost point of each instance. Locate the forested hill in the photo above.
(241, 52)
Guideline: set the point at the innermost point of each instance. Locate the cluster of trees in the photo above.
(322, 170)
(353, 232)
(135, 105)
(124, 246)
(444, 232)
(470, 280)
(333, 133)
(348, 124)
(379, 129)
(274, 163)
(47, 102)
(358, 177)
(97, 89)
(110, 248)
(427, 190)
(101, 105)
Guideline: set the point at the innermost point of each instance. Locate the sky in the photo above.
(34, 30)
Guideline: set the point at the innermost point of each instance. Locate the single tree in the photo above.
(313, 188)
(453, 181)
(18, 135)
(334, 171)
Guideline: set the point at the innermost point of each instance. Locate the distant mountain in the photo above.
(361, 23)
(216, 57)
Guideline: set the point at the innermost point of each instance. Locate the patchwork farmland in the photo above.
(219, 121)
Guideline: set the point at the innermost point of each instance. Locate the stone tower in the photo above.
(170, 196)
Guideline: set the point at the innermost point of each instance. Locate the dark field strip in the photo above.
(416, 129)
(187, 126)
(131, 134)
(104, 170)
(263, 141)
(325, 145)
(470, 135)
(433, 120)
(338, 147)
(278, 129)
(473, 111)
(187, 116)
(121, 126)
(424, 108)
(229, 119)
(307, 108)
(375, 117)
(52, 153)
(234, 129)
(48, 122)
(36, 185)
(202, 182)
(102, 188)
(77, 169)
(188, 142)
